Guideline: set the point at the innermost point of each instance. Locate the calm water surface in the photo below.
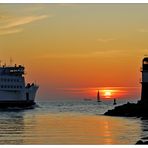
(69, 122)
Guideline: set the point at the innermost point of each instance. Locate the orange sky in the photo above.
(76, 46)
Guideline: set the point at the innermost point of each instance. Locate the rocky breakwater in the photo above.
(139, 109)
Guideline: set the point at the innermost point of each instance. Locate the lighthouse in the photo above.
(144, 92)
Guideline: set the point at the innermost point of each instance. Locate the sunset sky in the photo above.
(71, 50)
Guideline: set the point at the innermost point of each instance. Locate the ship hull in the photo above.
(20, 104)
(22, 98)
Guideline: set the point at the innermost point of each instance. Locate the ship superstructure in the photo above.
(13, 90)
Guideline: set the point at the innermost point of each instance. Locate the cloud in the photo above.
(92, 54)
(5, 32)
(106, 40)
(34, 7)
(2, 16)
(22, 21)
(121, 89)
(143, 30)
(11, 25)
(68, 4)
(75, 55)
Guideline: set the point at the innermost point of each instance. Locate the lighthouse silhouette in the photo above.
(144, 92)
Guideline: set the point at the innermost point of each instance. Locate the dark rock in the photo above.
(141, 142)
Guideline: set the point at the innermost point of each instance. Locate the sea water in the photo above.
(69, 122)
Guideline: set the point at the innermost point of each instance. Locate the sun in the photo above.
(107, 93)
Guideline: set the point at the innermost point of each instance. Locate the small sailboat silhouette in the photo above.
(98, 97)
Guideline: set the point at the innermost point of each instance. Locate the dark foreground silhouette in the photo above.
(142, 142)
(15, 104)
(139, 109)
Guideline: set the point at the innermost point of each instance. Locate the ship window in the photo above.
(1, 86)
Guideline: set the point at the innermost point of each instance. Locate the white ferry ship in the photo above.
(13, 90)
